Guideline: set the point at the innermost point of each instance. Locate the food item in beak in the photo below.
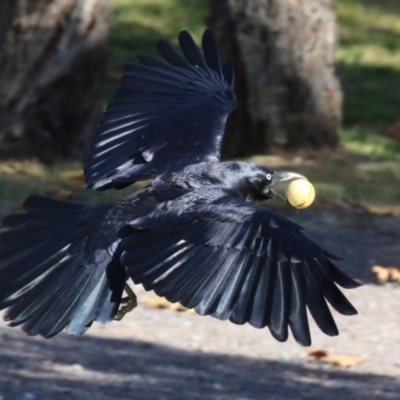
(300, 193)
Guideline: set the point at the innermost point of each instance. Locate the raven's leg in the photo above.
(129, 303)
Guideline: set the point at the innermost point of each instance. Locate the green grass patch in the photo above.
(368, 60)
(138, 24)
(364, 141)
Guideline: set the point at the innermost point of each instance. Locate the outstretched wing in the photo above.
(52, 274)
(163, 115)
(237, 261)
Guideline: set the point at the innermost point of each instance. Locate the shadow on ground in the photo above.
(360, 239)
(96, 368)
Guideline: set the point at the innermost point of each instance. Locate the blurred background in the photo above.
(318, 87)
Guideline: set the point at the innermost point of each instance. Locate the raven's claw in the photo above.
(129, 303)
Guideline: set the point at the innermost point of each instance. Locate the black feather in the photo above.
(49, 278)
(211, 52)
(185, 101)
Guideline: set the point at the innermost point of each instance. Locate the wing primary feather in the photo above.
(264, 292)
(190, 277)
(242, 311)
(48, 314)
(198, 290)
(330, 291)
(174, 262)
(29, 296)
(229, 73)
(20, 271)
(281, 302)
(191, 51)
(217, 284)
(317, 305)
(54, 279)
(147, 272)
(168, 285)
(341, 278)
(211, 52)
(34, 309)
(173, 58)
(233, 283)
(37, 282)
(161, 66)
(298, 321)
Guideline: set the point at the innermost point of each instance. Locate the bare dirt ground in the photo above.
(167, 355)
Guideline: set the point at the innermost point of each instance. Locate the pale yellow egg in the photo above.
(300, 193)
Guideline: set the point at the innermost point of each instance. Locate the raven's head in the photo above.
(261, 182)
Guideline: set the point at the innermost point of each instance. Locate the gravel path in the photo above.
(163, 354)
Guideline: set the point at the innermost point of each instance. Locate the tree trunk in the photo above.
(284, 55)
(52, 57)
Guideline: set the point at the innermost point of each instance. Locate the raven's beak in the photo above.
(281, 176)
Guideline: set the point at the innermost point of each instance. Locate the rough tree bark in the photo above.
(52, 58)
(287, 89)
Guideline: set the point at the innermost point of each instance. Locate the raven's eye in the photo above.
(264, 178)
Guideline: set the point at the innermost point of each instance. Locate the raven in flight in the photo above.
(195, 235)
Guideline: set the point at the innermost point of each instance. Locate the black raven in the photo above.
(194, 236)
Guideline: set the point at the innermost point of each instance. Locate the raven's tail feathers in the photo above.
(48, 277)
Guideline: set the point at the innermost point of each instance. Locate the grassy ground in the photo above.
(138, 24)
(369, 60)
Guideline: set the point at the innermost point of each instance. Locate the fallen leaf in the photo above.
(393, 131)
(391, 210)
(155, 302)
(79, 177)
(342, 360)
(386, 274)
(30, 168)
(339, 360)
(62, 194)
(179, 308)
(317, 354)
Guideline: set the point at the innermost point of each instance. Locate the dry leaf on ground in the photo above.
(386, 274)
(394, 131)
(339, 360)
(27, 167)
(78, 177)
(154, 302)
(62, 194)
(393, 210)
